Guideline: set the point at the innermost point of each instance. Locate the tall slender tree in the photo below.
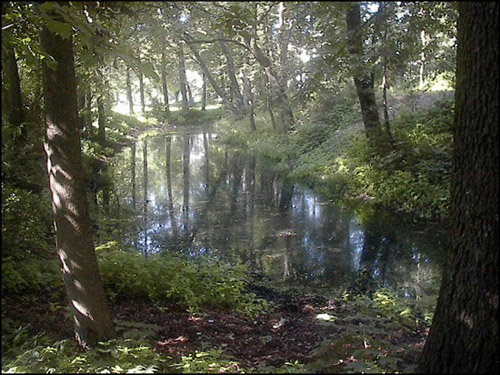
(364, 80)
(464, 334)
(75, 248)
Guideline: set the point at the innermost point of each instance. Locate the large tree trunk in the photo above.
(464, 334)
(69, 204)
(364, 81)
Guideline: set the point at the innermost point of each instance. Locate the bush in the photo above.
(26, 223)
(176, 279)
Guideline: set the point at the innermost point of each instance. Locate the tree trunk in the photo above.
(464, 333)
(216, 87)
(164, 83)
(279, 94)
(101, 120)
(132, 172)
(235, 88)
(204, 93)
(183, 79)
(421, 73)
(141, 87)
(129, 93)
(248, 101)
(69, 204)
(145, 195)
(13, 99)
(364, 81)
(173, 220)
(284, 37)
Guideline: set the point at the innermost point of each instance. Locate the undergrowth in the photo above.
(174, 278)
(329, 151)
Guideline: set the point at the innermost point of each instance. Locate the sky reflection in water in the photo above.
(197, 196)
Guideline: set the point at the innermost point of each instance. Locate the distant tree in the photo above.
(13, 103)
(464, 334)
(364, 80)
(92, 320)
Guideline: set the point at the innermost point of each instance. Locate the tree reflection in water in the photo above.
(202, 197)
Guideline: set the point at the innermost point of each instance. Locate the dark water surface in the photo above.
(193, 194)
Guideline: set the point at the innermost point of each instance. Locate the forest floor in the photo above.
(291, 332)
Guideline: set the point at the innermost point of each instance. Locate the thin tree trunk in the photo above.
(183, 78)
(92, 319)
(145, 195)
(248, 101)
(387, 125)
(101, 120)
(464, 335)
(132, 169)
(164, 83)
(141, 87)
(421, 73)
(280, 96)
(235, 88)
(13, 99)
(185, 179)
(173, 220)
(216, 87)
(129, 93)
(204, 93)
(364, 81)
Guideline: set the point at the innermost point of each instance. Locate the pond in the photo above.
(193, 194)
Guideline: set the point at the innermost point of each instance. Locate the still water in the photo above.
(193, 194)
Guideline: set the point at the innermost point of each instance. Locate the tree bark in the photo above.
(464, 333)
(164, 83)
(132, 172)
(141, 87)
(129, 93)
(280, 95)
(235, 88)
(183, 78)
(248, 102)
(69, 204)
(216, 87)
(13, 98)
(364, 81)
(204, 93)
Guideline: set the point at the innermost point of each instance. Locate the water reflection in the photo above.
(200, 197)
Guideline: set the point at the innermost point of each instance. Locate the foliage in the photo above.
(173, 278)
(336, 159)
(26, 222)
(36, 355)
(211, 361)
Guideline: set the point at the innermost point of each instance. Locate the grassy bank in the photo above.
(328, 151)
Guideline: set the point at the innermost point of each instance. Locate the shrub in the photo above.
(176, 279)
